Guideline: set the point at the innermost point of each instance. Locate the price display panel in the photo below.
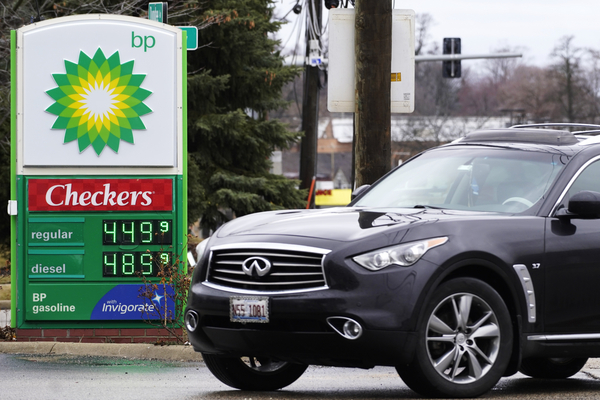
(129, 264)
(156, 232)
(91, 244)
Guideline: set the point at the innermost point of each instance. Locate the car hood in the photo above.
(342, 224)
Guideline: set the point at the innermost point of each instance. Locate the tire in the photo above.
(464, 341)
(551, 368)
(253, 373)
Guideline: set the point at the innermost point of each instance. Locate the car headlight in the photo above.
(405, 254)
(200, 250)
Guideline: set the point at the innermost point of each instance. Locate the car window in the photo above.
(474, 178)
(589, 179)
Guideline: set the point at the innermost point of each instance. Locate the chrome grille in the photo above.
(292, 267)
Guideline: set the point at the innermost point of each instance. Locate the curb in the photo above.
(132, 351)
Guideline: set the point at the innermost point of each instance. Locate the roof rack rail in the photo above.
(593, 128)
(554, 137)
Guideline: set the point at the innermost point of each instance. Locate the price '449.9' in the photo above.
(153, 231)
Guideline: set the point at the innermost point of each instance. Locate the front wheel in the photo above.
(552, 368)
(464, 341)
(253, 373)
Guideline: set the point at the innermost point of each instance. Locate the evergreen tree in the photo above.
(234, 80)
(233, 83)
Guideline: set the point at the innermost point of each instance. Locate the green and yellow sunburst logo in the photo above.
(99, 101)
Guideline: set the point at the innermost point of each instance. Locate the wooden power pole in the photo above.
(310, 105)
(373, 49)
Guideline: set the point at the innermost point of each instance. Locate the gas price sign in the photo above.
(100, 233)
(99, 192)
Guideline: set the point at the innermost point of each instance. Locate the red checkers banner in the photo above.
(100, 194)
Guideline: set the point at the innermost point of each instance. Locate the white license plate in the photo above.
(249, 309)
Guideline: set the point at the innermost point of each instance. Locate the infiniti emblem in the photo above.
(256, 265)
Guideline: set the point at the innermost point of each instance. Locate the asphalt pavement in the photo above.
(146, 351)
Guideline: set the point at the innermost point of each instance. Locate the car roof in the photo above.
(536, 137)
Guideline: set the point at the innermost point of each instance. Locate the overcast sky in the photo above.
(535, 26)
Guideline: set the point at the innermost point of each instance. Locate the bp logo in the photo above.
(99, 101)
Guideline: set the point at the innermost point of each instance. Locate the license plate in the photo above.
(249, 309)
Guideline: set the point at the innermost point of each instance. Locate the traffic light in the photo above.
(451, 69)
(329, 4)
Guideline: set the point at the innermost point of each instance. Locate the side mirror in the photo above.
(358, 191)
(585, 204)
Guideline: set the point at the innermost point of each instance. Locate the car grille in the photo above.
(292, 268)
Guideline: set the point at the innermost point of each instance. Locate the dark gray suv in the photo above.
(469, 262)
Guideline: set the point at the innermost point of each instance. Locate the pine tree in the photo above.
(234, 80)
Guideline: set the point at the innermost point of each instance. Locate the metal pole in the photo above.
(310, 104)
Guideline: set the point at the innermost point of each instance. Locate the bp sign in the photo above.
(99, 173)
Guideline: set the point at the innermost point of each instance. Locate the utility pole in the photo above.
(373, 49)
(310, 103)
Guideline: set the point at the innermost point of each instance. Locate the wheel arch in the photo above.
(498, 278)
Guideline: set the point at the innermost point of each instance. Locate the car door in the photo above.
(572, 263)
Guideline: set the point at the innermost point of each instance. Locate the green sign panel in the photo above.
(85, 263)
(55, 264)
(158, 11)
(55, 232)
(192, 36)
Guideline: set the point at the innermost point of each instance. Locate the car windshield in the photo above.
(473, 178)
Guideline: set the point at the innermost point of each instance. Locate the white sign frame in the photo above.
(341, 83)
(43, 48)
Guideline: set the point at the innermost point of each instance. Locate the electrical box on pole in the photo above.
(451, 69)
(341, 93)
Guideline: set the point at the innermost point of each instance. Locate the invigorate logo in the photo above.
(100, 194)
(123, 302)
(99, 101)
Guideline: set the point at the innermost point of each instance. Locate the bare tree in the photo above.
(529, 89)
(423, 24)
(567, 78)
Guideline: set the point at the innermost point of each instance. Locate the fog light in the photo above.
(191, 320)
(346, 327)
(352, 329)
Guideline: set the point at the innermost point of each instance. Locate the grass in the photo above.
(4, 273)
(5, 292)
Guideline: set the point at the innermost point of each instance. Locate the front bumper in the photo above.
(298, 330)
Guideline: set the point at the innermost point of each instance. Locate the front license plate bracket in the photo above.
(249, 309)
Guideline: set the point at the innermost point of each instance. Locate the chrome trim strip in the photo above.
(262, 254)
(210, 258)
(229, 272)
(259, 292)
(575, 176)
(261, 283)
(574, 336)
(279, 264)
(271, 246)
(528, 291)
